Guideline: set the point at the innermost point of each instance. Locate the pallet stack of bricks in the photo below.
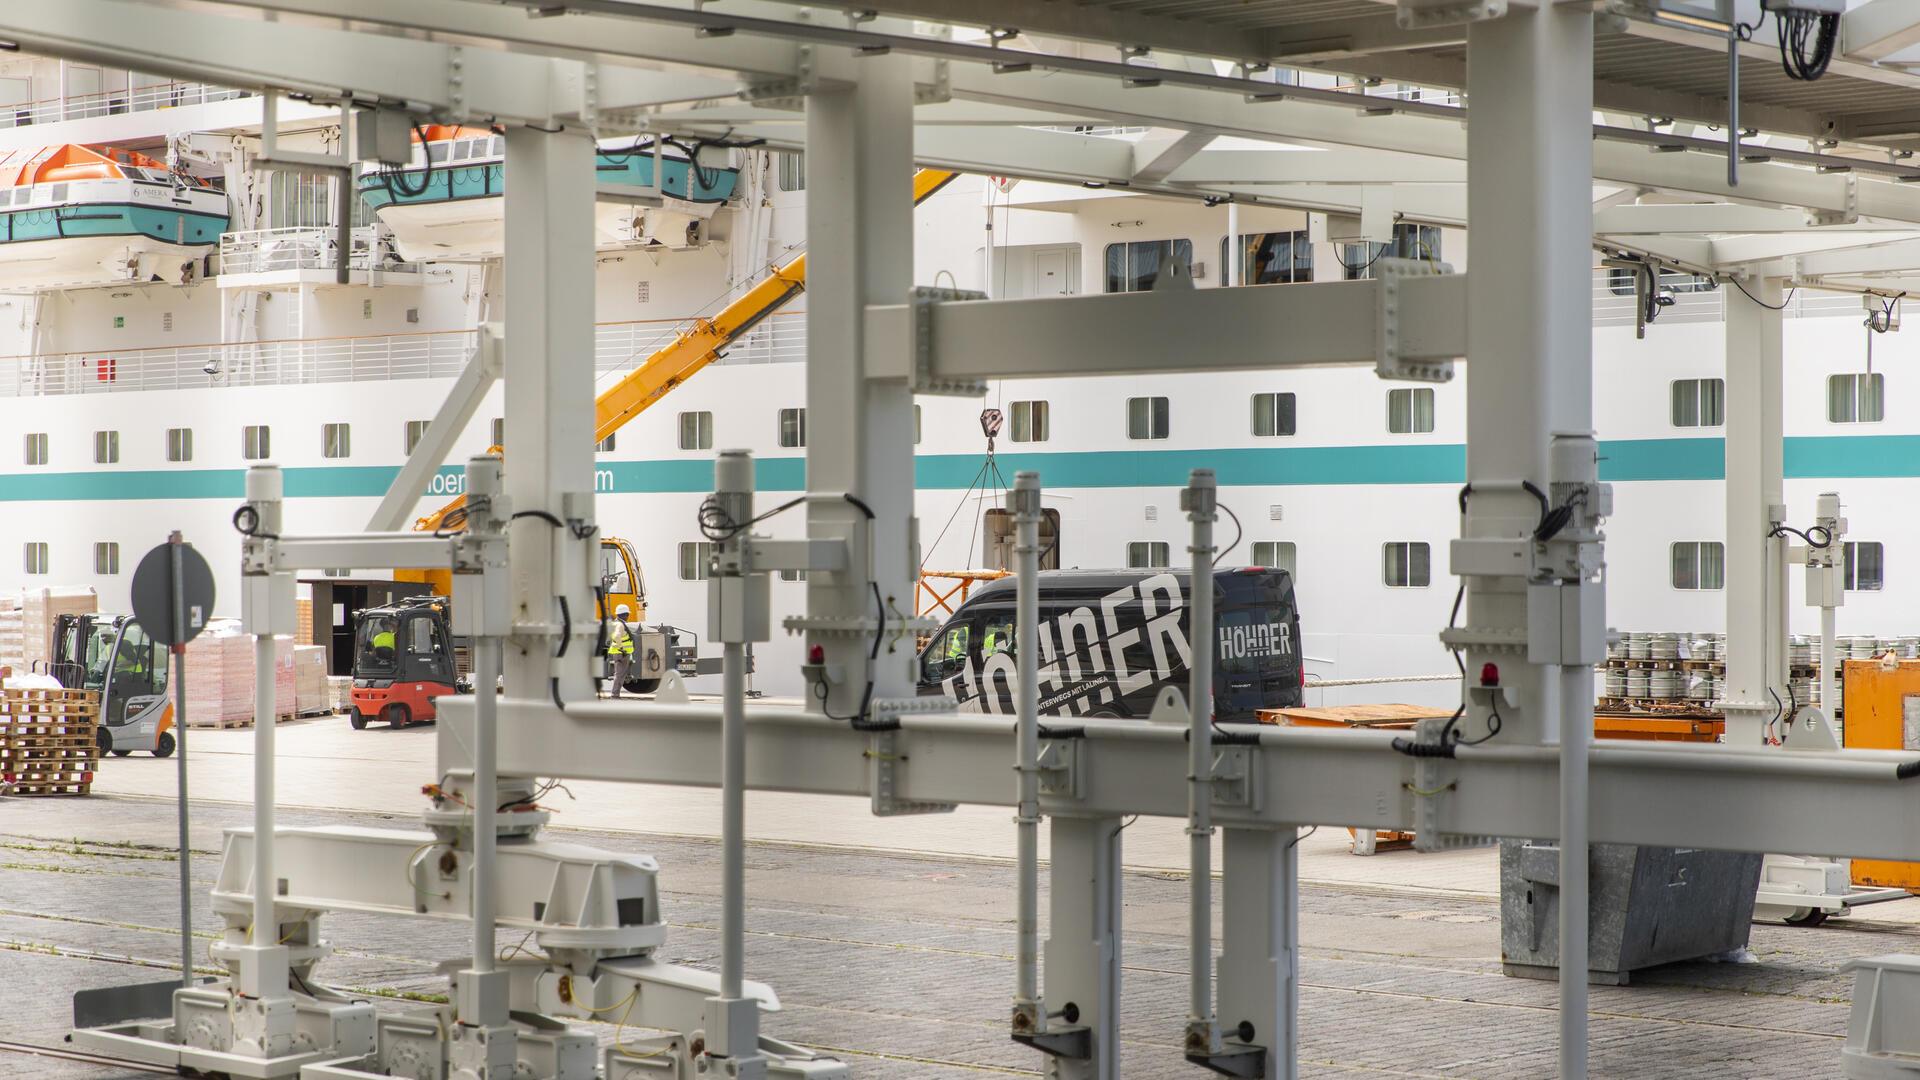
(220, 678)
(48, 743)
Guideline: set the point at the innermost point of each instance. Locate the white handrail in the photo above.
(618, 347)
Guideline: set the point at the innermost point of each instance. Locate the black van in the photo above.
(1110, 639)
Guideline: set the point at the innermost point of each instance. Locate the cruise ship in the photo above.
(140, 401)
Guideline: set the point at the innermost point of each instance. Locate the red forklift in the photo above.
(403, 658)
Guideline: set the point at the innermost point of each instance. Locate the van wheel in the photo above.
(642, 686)
(358, 719)
(163, 746)
(399, 715)
(120, 753)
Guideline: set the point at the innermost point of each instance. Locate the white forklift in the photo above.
(114, 655)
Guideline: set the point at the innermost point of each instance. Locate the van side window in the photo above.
(997, 636)
(948, 656)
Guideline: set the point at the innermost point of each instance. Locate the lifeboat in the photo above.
(74, 215)
(447, 203)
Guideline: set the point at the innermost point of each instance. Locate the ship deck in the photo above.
(1400, 967)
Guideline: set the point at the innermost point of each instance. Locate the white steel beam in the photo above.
(1753, 486)
(1530, 163)
(1308, 165)
(455, 413)
(860, 252)
(549, 364)
(1162, 151)
(1846, 803)
(1254, 328)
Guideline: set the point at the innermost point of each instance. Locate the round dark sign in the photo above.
(173, 593)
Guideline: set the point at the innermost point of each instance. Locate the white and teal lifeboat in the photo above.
(73, 215)
(448, 202)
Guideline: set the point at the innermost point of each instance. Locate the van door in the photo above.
(1257, 661)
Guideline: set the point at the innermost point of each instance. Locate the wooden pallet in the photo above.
(52, 789)
(202, 722)
(15, 757)
(48, 693)
(20, 728)
(1677, 708)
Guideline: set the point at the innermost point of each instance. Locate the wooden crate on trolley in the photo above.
(49, 740)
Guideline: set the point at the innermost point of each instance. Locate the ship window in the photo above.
(694, 558)
(106, 558)
(1406, 565)
(1274, 258)
(1856, 399)
(1865, 565)
(605, 446)
(36, 556)
(59, 193)
(462, 150)
(1410, 411)
(497, 146)
(1136, 266)
(256, 442)
(499, 431)
(1278, 554)
(336, 440)
(1148, 554)
(1699, 564)
(179, 444)
(1699, 402)
(696, 430)
(1273, 415)
(437, 152)
(793, 427)
(1147, 418)
(1409, 242)
(1031, 421)
(416, 430)
(106, 447)
(793, 171)
(36, 448)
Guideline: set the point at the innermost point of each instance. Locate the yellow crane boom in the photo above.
(698, 345)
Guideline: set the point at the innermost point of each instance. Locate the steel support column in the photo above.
(1530, 325)
(859, 431)
(1755, 500)
(1083, 940)
(1259, 998)
(549, 366)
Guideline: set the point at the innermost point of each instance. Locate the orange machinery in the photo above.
(1880, 700)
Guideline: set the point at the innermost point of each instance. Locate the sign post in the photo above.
(172, 600)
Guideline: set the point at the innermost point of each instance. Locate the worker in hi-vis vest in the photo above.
(620, 648)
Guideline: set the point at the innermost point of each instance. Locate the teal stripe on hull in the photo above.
(168, 224)
(1628, 460)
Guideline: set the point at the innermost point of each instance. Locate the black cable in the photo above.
(1826, 540)
(393, 176)
(1781, 306)
(1795, 28)
(566, 626)
(718, 526)
(1238, 531)
(452, 522)
(246, 521)
(1650, 301)
(541, 514)
(1353, 272)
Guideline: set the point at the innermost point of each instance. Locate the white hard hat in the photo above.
(622, 611)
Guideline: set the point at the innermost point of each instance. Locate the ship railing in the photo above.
(260, 251)
(1694, 301)
(370, 358)
(167, 95)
